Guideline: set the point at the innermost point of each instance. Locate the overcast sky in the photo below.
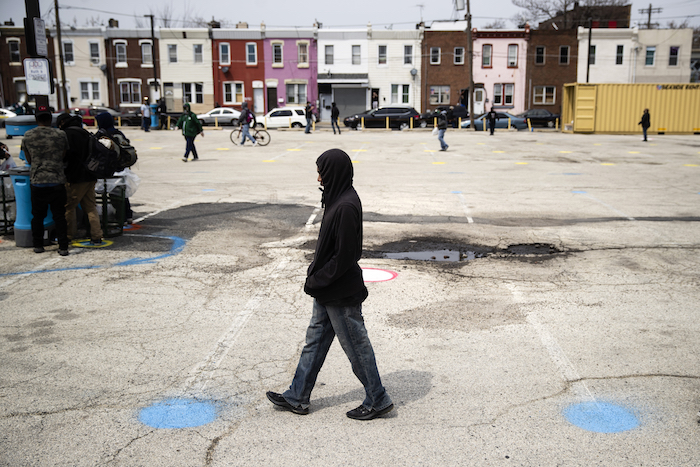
(399, 14)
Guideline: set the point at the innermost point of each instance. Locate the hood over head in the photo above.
(335, 168)
(65, 120)
(105, 121)
(186, 107)
(244, 105)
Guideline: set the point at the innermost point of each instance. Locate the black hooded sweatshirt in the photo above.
(78, 148)
(334, 277)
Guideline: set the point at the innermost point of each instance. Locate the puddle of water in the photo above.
(436, 255)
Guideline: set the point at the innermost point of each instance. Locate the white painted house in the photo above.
(663, 56)
(186, 68)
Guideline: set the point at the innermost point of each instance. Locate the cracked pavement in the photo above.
(481, 357)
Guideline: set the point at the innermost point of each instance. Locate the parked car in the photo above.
(502, 122)
(4, 113)
(224, 115)
(283, 117)
(540, 117)
(458, 111)
(89, 114)
(399, 117)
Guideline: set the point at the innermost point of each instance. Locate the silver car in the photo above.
(224, 116)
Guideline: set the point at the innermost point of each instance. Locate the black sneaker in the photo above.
(363, 413)
(39, 249)
(280, 401)
(63, 252)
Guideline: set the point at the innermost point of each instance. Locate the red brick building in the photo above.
(551, 62)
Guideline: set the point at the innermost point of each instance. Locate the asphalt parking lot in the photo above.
(551, 320)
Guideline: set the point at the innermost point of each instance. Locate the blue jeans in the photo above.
(441, 138)
(334, 125)
(644, 130)
(308, 126)
(245, 131)
(347, 323)
(190, 147)
(146, 123)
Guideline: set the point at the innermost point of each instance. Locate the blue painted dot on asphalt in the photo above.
(600, 417)
(178, 413)
(580, 192)
(208, 189)
(456, 192)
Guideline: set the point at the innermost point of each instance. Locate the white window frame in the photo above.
(120, 44)
(248, 53)
(357, 57)
(14, 40)
(144, 63)
(172, 53)
(94, 59)
(543, 55)
(222, 60)
(458, 57)
(498, 94)
(433, 51)
(303, 57)
(198, 57)
(382, 57)
(408, 54)
(233, 91)
(297, 96)
(195, 92)
(540, 95)
(280, 63)
(130, 83)
(672, 56)
(568, 54)
(652, 49)
(66, 42)
(92, 89)
(512, 55)
(487, 58)
(439, 95)
(508, 93)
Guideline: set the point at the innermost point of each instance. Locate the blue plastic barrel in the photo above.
(23, 198)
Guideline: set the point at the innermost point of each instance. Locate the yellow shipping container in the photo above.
(618, 108)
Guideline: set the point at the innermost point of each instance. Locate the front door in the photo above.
(271, 98)
(258, 101)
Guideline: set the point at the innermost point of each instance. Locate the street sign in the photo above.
(40, 37)
(37, 76)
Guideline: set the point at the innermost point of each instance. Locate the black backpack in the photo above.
(109, 154)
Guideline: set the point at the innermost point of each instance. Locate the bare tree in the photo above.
(674, 25)
(496, 24)
(537, 11)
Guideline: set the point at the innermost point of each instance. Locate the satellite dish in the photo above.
(225, 69)
(103, 68)
(414, 72)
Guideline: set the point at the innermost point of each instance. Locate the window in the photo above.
(400, 93)
(673, 56)
(296, 93)
(14, 51)
(193, 92)
(90, 91)
(329, 55)
(356, 55)
(198, 57)
(435, 55)
(394, 93)
(68, 56)
(497, 94)
(94, 53)
(172, 53)
(591, 55)
(539, 55)
(130, 92)
(408, 55)
(439, 95)
(486, 50)
(545, 95)
(512, 56)
(233, 93)
(405, 93)
(303, 54)
(459, 56)
(120, 49)
(381, 55)
(277, 58)
(251, 54)
(649, 61)
(503, 94)
(224, 53)
(146, 53)
(563, 55)
(619, 54)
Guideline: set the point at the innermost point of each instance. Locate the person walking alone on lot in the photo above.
(191, 127)
(80, 188)
(335, 113)
(162, 113)
(645, 122)
(308, 111)
(442, 128)
(245, 119)
(145, 115)
(335, 281)
(492, 116)
(45, 149)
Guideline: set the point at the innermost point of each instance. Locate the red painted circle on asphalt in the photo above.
(132, 227)
(377, 275)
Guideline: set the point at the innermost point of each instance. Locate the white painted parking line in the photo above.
(463, 202)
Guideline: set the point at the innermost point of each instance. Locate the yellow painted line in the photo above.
(355, 162)
(498, 152)
(606, 163)
(596, 144)
(566, 152)
(522, 163)
(429, 150)
(359, 150)
(633, 152)
(223, 149)
(137, 139)
(85, 243)
(155, 148)
(438, 163)
(294, 149)
(692, 165)
(481, 144)
(269, 160)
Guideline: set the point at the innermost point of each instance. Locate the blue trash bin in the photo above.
(23, 198)
(154, 117)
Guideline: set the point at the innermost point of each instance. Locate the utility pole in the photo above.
(153, 57)
(590, 34)
(649, 11)
(64, 92)
(470, 53)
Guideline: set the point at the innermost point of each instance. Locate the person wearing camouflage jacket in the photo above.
(45, 150)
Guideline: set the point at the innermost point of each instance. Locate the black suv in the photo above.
(399, 117)
(458, 111)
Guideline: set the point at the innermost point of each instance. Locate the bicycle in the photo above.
(262, 137)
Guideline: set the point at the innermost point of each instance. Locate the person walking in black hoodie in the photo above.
(334, 279)
(80, 188)
(335, 113)
(645, 122)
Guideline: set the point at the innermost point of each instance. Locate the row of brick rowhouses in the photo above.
(359, 69)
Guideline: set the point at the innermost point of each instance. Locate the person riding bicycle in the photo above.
(246, 118)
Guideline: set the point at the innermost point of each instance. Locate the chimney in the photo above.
(242, 25)
(113, 23)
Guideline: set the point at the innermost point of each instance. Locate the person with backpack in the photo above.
(246, 118)
(191, 127)
(105, 123)
(80, 186)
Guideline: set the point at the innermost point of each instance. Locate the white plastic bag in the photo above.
(125, 178)
(435, 131)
